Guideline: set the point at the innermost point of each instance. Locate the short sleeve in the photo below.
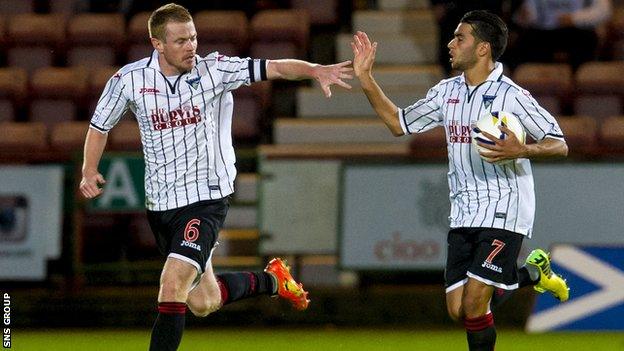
(111, 106)
(538, 122)
(423, 115)
(236, 71)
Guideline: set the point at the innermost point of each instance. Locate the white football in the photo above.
(490, 123)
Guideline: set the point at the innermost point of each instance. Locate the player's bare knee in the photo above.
(204, 308)
(172, 290)
(454, 312)
(474, 305)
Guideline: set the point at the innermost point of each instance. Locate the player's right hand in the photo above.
(363, 54)
(90, 184)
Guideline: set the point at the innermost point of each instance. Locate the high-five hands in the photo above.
(333, 74)
(363, 54)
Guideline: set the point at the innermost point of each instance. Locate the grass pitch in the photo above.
(310, 340)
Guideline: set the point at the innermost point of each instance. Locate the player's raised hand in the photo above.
(90, 184)
(363, 54)
(509, 148)
(334, 74)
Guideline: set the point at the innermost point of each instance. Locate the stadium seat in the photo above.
(599, 89)
(139, 45)
(549, 83)
(429, 145)
(250, 106)
(95, 39)
(280, 34)
(57, 94)
(97, 81)
(612, 135)
(408, 37)
(125, 136)
(13, 91)
(581, 133)
(33, 40)
(332, 130)
(15, 7)
(66, 7)
(23, 137)
(403, 4)
(322, 12)
(68, 136)
(223, 31)
(615, 34)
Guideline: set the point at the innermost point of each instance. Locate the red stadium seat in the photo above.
(69, 136)
(125, 136)
(23, 137)
(250, 105)
(138, 37)
(66, 7)
(549, 83)
(223, 31)
(581, 135)
(599, 88)
(612, 135)
(615, 34)
(15, 7)
(322, 12)
(13, 91)
(280, 34)
(95, 39)
(33, 40)
(429, 145)
(57, 94)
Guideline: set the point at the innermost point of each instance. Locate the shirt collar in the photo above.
(153, 61)
(494, 76)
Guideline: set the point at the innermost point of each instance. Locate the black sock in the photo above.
(480, 333)
(524, 279)
(169, 325)
(527, 277)
(240, 285)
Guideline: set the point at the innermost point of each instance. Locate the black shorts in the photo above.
(489, 255)
(189, 233)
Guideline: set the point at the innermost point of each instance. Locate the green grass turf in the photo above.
(311, 340)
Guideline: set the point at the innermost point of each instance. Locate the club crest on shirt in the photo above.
(193, 82)
(487, 100)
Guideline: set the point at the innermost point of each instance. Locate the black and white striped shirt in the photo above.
(185, 123)
(483, 194)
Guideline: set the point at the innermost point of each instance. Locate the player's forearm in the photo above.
(291, 69)
(547, 148)
(95, 142)
(385, 108)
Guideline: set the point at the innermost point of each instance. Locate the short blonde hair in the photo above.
(164, 14)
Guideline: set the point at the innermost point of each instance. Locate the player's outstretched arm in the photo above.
(296, 70)
(363, 59)
(91, 178)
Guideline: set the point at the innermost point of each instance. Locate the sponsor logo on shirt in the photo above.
(459, 133)
(186, 115)
(148, 91)
(452, 101)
